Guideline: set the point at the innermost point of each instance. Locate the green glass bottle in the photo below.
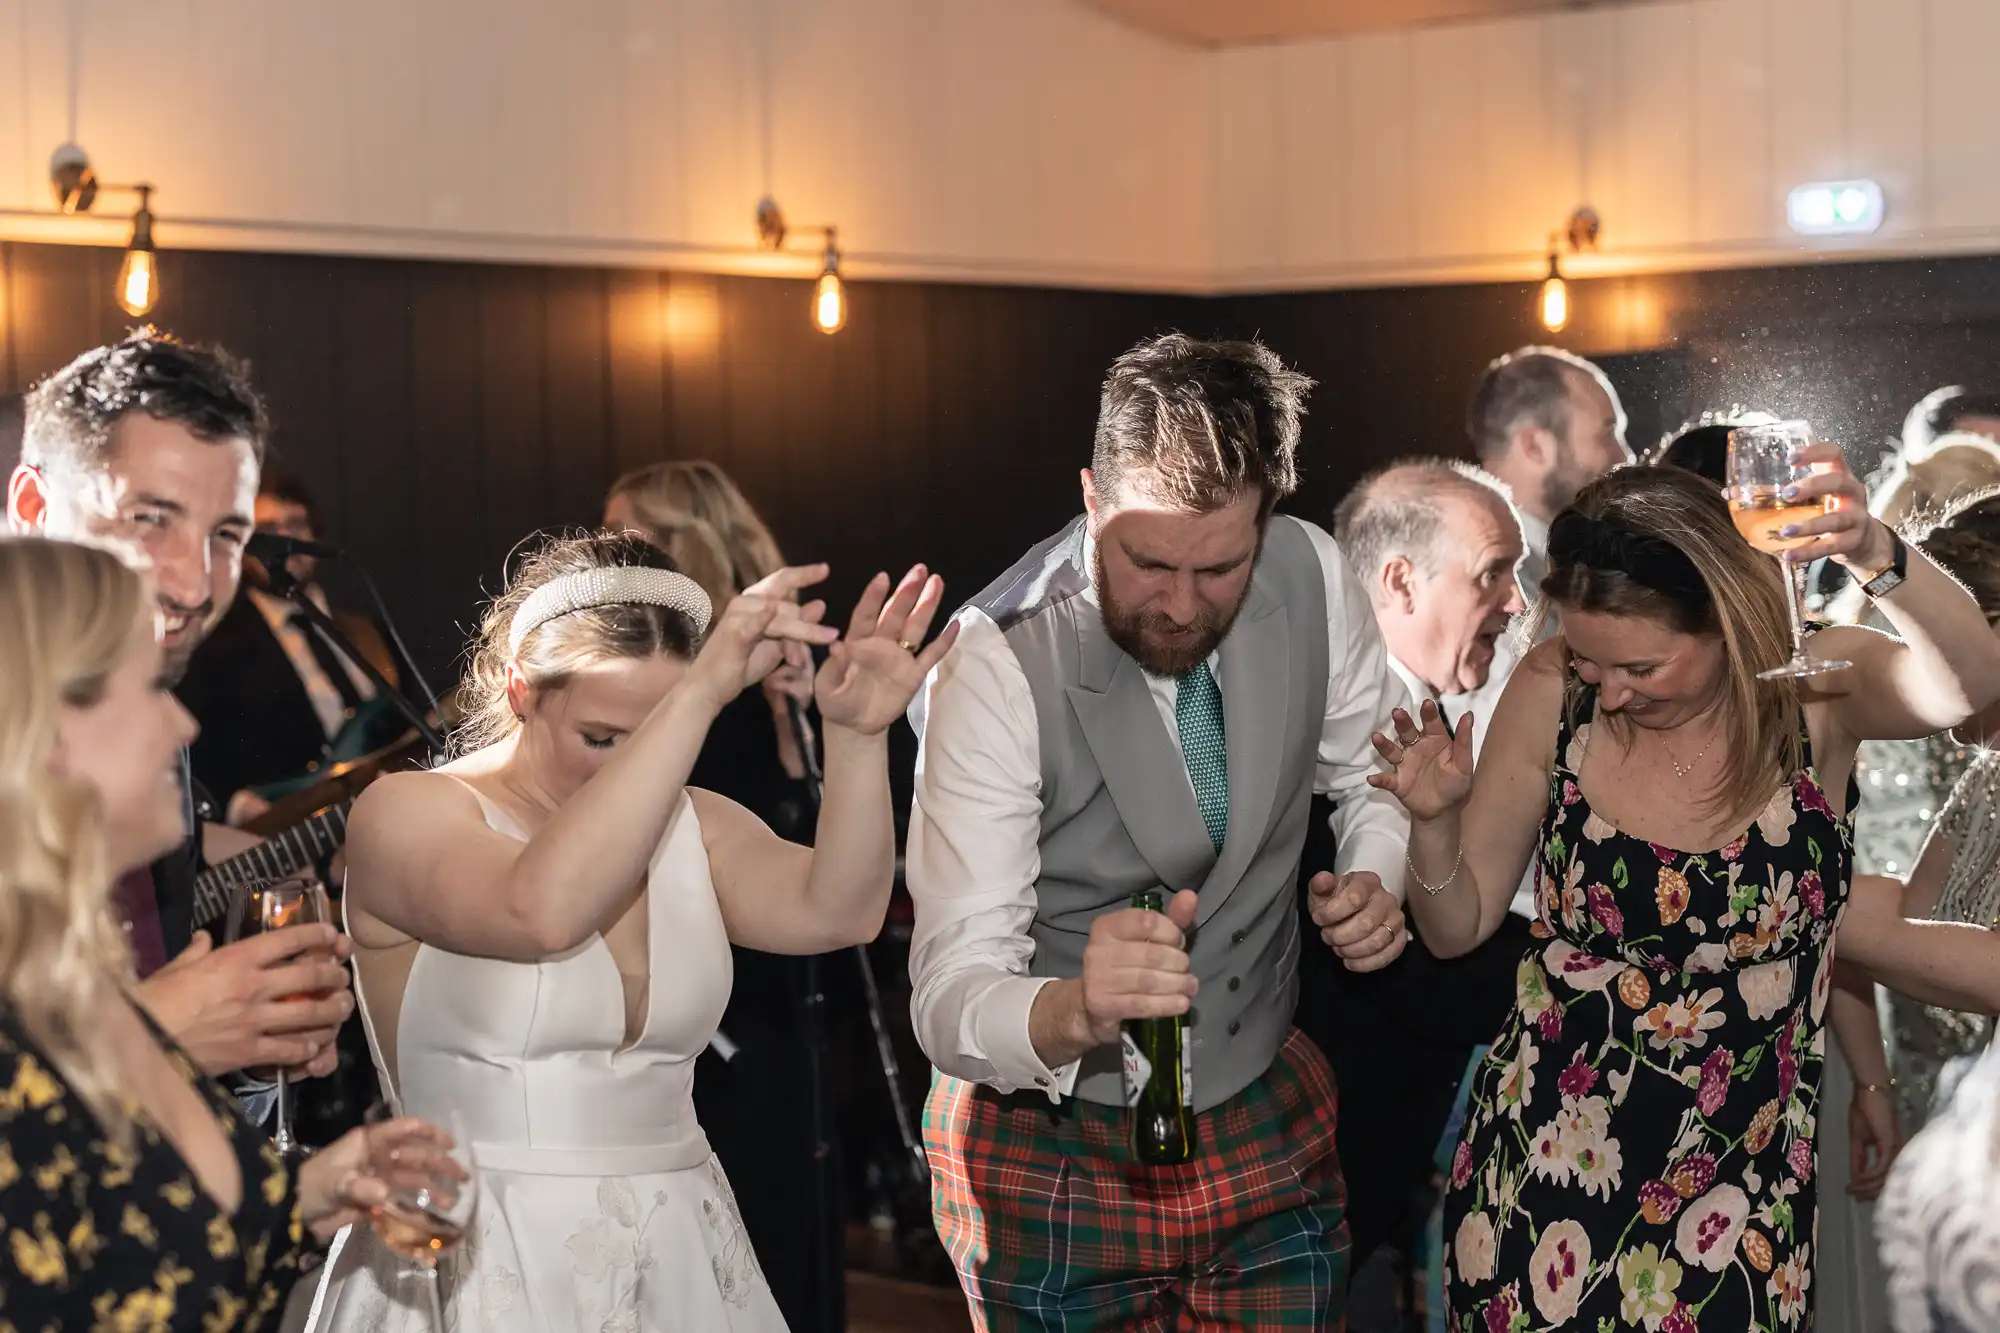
(1159, 1085)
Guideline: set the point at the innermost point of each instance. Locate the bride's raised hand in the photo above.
(759, 628)
(871, 675)
(1431, 768)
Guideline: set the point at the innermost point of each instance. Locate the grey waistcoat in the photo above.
(1119, 812)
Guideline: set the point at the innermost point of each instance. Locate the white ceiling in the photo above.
(1229, 22)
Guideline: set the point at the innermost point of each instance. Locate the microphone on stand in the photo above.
(274, 548)
(273, 551)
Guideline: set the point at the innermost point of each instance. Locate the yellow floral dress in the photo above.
(99, 1239)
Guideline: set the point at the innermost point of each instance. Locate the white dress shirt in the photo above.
(1534, 556)
(291, 635)
(974, 851)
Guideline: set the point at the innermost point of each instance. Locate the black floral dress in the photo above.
(99, 1239)
(1638, 1150)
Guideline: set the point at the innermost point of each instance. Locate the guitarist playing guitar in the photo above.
(279, 703)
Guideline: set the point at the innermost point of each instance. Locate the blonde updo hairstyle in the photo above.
(67, 616)
(1657, 543)
(701, 518)
(554, 651)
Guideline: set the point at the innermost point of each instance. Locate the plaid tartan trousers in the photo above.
(1053, 1226)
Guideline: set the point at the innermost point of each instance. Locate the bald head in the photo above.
(1406, 510)
(1435, 543)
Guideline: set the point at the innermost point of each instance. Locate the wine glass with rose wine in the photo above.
(266, 905)
(1763, 462)
(432, 1193)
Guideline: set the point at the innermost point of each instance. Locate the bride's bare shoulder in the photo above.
(411, 802)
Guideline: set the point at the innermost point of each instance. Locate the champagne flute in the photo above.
(267, 905)
(1763, 461)
(432, 1195)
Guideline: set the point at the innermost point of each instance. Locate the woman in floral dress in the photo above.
(1639, 1146)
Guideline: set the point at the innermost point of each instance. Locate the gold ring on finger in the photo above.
(906, 645)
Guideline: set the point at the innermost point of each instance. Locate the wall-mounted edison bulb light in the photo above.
(1555, 299)
(139, 275)
(830, 293)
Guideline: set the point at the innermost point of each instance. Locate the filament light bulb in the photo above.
(830, 295)
(1555, 299)
(139, 276)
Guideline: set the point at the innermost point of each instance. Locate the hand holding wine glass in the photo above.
(350, 1178)
(1793, 498)
(263, 908)
(432, 1191)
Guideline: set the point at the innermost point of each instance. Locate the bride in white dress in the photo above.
(542, 929)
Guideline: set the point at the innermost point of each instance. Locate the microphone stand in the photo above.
(885, 1049)
(286, 586)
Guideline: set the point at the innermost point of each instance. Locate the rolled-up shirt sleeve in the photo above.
(973, 857)
(1371, 828)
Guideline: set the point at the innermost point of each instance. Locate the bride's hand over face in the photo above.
(1431, 768)
(760, 628)
(871, 675)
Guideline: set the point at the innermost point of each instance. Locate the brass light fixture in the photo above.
(829, 307)
(76, 188)
(1581, 234)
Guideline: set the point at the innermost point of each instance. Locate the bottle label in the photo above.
(1138, 1070)
(1187, 1066)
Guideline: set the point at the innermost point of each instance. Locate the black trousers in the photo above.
(1398, 1041)
(1397, 1077)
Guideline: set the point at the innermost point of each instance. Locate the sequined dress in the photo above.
(1926, 1038)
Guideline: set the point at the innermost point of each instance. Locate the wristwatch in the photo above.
(1885, 581)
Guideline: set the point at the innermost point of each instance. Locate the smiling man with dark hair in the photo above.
(151, 447)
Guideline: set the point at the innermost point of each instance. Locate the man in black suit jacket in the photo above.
(270, 691)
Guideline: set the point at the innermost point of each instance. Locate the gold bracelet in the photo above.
(1875, 1087)
(1434, 892)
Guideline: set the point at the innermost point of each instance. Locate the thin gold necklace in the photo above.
(1694, 763)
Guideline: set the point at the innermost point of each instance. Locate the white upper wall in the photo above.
(1004, 140)
(989, 140)
(1451, 153)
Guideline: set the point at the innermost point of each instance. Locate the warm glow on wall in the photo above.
(693, 315)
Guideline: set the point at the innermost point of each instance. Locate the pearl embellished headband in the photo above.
(621, 586)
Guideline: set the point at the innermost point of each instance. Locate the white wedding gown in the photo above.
(601, 1209)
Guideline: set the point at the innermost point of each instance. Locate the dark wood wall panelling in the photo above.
(444, 410)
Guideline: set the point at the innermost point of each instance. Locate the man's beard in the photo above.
(1564, 482)
(174, 657)
(1128, 629)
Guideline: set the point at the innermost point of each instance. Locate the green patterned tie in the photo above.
(1198, 713)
